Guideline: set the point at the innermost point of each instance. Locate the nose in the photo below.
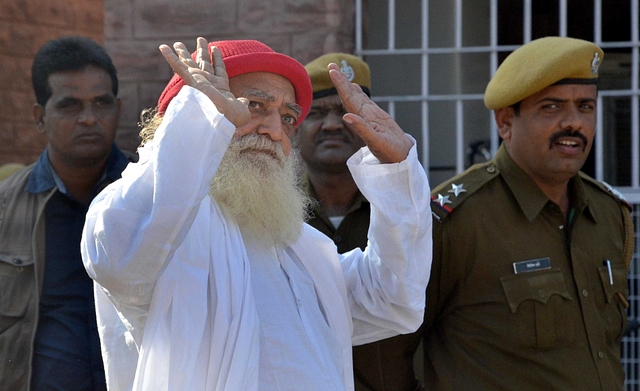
(573, 119)
(87, 115)
(271, 125)
(332, 121)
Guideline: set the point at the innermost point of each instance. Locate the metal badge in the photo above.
(532, 265)
(595, 63)
(347, 70)
(457, 189)
(443, 200)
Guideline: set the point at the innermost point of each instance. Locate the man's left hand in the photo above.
(379, 131)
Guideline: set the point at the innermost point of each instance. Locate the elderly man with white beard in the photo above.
(202, 246)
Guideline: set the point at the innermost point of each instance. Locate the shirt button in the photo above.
(337, 239)
(299, 302)
(561, 227)
(17, 261)
(601, 354)
(491, 169)
(585, 293)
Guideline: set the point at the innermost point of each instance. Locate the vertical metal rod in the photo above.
(425, 84)
(392, 25)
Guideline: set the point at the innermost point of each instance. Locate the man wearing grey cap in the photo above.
(341, 212)
(528, 289)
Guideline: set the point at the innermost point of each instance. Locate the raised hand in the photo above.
(210, 79)
(379, 131)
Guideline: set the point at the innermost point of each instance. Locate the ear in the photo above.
(504, 121)
(38, 116)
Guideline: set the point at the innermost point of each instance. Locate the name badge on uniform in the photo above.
(532, 265)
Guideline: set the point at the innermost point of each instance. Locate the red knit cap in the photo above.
(246, 56)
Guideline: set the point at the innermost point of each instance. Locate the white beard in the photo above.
(259, 186)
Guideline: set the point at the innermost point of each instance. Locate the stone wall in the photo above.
(303, 29)
(25, 25)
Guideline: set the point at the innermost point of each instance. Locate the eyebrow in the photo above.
(558, 100)
(261, 94)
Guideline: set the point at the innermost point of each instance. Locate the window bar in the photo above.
(460, 147)
(425, 84)
(599, 137)
(599, 141)
(597, 22)
(526, 25)
(358, 37)
(562, 18)
(635, 98)
(495, 140)
(392, 25)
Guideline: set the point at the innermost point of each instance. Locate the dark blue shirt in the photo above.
(67, 347)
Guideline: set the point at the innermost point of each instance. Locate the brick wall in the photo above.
(303, 29)
(131, 31)
(25, 25)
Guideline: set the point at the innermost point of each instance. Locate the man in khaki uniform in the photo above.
(342, 213)
(528, 289)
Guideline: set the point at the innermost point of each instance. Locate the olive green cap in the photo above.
(539, 64)
(356, 70)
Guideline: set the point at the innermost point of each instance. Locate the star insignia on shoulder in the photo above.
(442, 200)
(457, 189)
(615, 192)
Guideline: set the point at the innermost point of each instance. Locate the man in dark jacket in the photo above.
(48, 334)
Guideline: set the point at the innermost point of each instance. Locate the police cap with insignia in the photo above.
(356, 70)
(541, 63)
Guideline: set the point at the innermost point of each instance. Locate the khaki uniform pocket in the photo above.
(540, 296)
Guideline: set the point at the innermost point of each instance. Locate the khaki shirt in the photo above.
(557, 323)
(382, 365)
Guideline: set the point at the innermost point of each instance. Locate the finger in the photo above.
(388, 147)
(359, 126)
(220, 69)
(351, 94)
(179, 67)
(202, 56)
(184, 55)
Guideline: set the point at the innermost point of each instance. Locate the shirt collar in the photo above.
(529, 196)
(311, 192)
(44, 178)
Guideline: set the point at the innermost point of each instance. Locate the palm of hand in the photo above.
(210, 79)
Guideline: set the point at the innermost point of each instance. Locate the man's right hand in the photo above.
(210, 79)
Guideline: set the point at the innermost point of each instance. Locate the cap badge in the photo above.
(595, 63)
(347, 70)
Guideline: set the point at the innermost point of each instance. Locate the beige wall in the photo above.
(25, 25)
(134, 29)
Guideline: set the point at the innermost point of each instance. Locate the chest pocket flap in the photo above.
(537, 285)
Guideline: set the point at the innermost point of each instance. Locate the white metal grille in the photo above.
(430, 61)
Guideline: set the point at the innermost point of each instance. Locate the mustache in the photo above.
(345, 135)
(568, 133)
(260, 144)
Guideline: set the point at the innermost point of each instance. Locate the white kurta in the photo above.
(177, 269)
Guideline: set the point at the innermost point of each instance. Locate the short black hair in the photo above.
(68, 54)
(516, 107)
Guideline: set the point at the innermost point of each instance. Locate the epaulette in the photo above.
(607, 188)
(448, 195)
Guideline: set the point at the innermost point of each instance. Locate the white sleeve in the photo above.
(386, 283)
(134, 226)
